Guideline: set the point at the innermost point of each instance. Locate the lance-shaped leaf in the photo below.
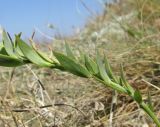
(125, 83)
(105, 77)
(82, 57)
(1, 45)
(9, 61)
(137, 96)
(8, 44)
(17, 49)
(109, 70)
(71, 65)
(102, 69)
(53, 58)
(40, 53)
(149, 100)
(2, 50)
(31, 55)
(69, 51)
(120, 81)
(44, 56)
(91, 65)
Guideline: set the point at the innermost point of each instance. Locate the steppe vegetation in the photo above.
(80, 88)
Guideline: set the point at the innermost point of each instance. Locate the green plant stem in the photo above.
(69, 63)
(142, 105)
(150, 113)
(113, 85)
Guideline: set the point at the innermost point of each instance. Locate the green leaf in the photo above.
(102, 69)
(82, 57)
(123, 76)
(44, 56)
(53, 58)
(40, 53)
(149, 100)
(125, 83)
(134, 32)
(2, 50)
(137, 96)
(32, 55)
(1, 45)
(18, 51)
(8, 44)
(19, 34)
(91, 65)
(105, 77)
(109, 70)
(69, 51)
(120, 81)
(70, 65)
(9, 61)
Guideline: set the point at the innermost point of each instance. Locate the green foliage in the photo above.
(128, 87)
(17, 53)
(109, 70)
(31, 54)
(71, 65)
(9, 61)
(3, 50)
(150, 102)
(138, 96)
(133, 32)
(8, 44)
(69, 52)
(41, 54)
(91, 65)
(102, 70)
